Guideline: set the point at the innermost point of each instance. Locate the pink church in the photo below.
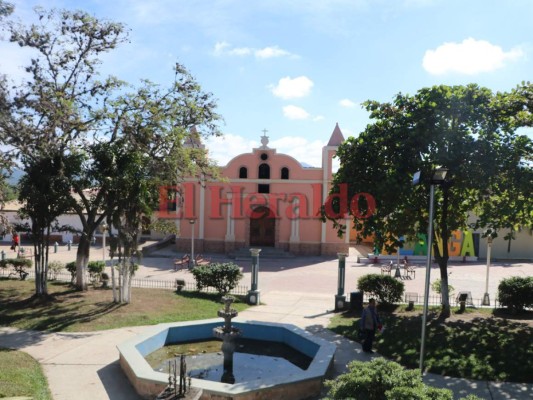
(267, 199)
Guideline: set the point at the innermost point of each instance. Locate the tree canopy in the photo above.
(467, 129)
(65, 111)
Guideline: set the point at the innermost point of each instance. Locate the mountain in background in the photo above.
(15, 176)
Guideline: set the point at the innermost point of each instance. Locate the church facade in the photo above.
(266, 199)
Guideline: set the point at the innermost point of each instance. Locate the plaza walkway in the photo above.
(300, 291)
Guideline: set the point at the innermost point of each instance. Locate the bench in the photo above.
(409, 270)
(200, 260)
(182, 262)
(386, 268)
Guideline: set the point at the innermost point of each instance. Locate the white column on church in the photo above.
(295, 223)
(230, 222)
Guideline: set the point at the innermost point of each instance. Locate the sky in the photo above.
(297, 67)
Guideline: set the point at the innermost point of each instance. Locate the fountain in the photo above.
(257, 375)
(228, 334)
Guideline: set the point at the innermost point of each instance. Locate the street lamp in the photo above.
(486, 299)
(438, 178)
(104, 230)
(191, 261)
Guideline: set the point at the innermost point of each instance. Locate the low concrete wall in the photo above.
(148, 383)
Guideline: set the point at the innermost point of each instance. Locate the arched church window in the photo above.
(264, 171)
(243, 173)
(285, 173)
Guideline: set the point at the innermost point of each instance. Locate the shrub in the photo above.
(436, 287)
(221, 276)
(18, 264)
(382, 379)
(71, 267)
(54, 268)
(95, 269)
(516, 293)
(384, 288)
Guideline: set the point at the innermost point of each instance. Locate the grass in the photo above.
(478, 344)
(21, 375)
(67, 310)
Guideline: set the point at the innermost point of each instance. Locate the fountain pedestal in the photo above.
(228, 334)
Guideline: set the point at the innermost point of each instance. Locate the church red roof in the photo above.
(336, 137)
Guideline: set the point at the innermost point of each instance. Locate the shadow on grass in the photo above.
(55, 312)
(215, 297)
(485, 348)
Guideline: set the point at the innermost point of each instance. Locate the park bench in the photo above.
(386, 268)
(182, 262)
(409, 270)
(200, 260)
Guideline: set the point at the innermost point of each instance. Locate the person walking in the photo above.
(370, 322)
(15, 243)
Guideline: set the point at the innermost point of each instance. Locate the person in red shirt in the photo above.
(15, 242)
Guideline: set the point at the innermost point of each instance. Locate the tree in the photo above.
(153, 142)
(5, 8)
(45, 194)
(462, 128)
(65, 109)
(60, 106)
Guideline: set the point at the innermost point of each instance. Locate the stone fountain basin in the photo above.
(149, 383)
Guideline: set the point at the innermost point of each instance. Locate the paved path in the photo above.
(83, 366)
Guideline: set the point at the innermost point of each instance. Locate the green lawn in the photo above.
(475, 345)
(70, 311)
(21, 375)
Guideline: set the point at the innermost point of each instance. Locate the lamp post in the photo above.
(254, 293)
(104, 230)
(191, 261)
(438, 178)
(340, 298)
(486, 298)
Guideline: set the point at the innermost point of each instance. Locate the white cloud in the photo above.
(469, 57)
(288, 88)
(347, 103)
(318, 118)
(303, 150)
(224, 48)
(294, 112)
(223, 149)
(240, 51)
(220, 48)
(270, 52)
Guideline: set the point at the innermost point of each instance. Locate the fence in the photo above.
(239, 290)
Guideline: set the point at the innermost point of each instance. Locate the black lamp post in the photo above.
(438, 178)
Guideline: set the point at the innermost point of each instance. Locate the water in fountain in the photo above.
(228, 334)
(242, 360)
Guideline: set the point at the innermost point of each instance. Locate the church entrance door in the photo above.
(262, 227)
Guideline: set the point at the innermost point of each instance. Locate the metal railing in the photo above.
(239, 290)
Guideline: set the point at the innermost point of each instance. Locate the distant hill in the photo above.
(15, 177)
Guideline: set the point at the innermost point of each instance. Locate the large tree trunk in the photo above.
(82, 259)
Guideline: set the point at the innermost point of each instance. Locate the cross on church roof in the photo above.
(264, 139)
